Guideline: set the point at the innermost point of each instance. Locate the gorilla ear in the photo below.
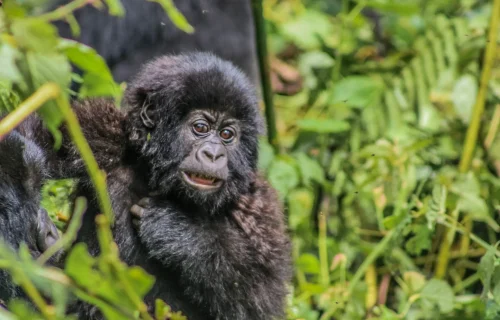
(145, 117)
(138, 102)
(141, 117)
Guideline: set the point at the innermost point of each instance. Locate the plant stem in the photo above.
(444, 250)
(477, 113)
(376, 252)
(63, 11)
(97, 176)
(338, 56)
(323, 252)
(261, 39)
(45, 93)
(489, 56)
(492, 131)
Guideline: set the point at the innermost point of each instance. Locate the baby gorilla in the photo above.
(22, 172)
(214, 220)
(209, 229)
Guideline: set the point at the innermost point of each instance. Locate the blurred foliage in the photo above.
(385, 223)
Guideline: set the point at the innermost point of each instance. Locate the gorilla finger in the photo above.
(137, 211)
(146, 202)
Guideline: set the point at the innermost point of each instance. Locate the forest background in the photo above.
(385, 152)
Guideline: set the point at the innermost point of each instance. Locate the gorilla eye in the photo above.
(227, 135)
(201, 127)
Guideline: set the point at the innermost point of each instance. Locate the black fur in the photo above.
(224, 27)
(22, 220)
(217, 255)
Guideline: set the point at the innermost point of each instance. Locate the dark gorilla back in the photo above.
(22, 172)
(224, 27)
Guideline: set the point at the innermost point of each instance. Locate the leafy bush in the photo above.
(387, 158)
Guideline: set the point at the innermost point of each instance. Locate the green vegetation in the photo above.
(388, 158)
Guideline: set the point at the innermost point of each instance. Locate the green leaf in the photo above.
(36, 35)
(310, 169)
(283, 176)
(175, 15)
(300, 205)
(115, 7)
(308, 263)
(307, 27)
(98, 79)
(140, 281)
(44, 68)
(8, 99)
(266, 154)
(323, 125)
(421, 239)
(464, 96)
(357, 91)
(486, 269)
(9, 70)
(439, 292)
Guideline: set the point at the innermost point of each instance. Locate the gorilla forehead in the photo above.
(178, 84)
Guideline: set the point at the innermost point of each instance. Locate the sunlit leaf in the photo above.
(357, 91)
(440, 293)
(308, 263)
(283, 176)
(464, 96)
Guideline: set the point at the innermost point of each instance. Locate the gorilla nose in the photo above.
(213, 154)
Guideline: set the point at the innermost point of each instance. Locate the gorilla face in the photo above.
(195, 119)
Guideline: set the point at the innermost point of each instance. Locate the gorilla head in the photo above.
(22, 219)
(195, 119)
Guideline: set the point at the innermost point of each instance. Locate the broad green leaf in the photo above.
(85, 58)
(283, 176)
(140, 281)
(414, 280)
(357, 91)
(323, 125)
(44, 68)
(464, 96)
(266, 154)
(97, 79)
(308, 263)
(36, 35)
(440, 293)
(306, 28)
(421, 239)
(300, 205)
(310, 169)
(486, 269)
(8, 67)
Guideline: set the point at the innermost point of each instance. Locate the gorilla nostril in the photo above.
(209, 155)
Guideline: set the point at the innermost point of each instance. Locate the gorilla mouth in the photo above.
(201, 181)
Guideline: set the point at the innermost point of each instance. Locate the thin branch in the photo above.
(477, 113)
(260, 34)
(45, 93)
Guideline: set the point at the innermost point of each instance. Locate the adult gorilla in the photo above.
(224, 27)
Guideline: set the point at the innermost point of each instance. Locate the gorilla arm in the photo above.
(238, 264)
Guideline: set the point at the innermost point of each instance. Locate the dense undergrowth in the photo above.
(387, 157)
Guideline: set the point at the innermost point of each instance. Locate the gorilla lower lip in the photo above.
(201, 181)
